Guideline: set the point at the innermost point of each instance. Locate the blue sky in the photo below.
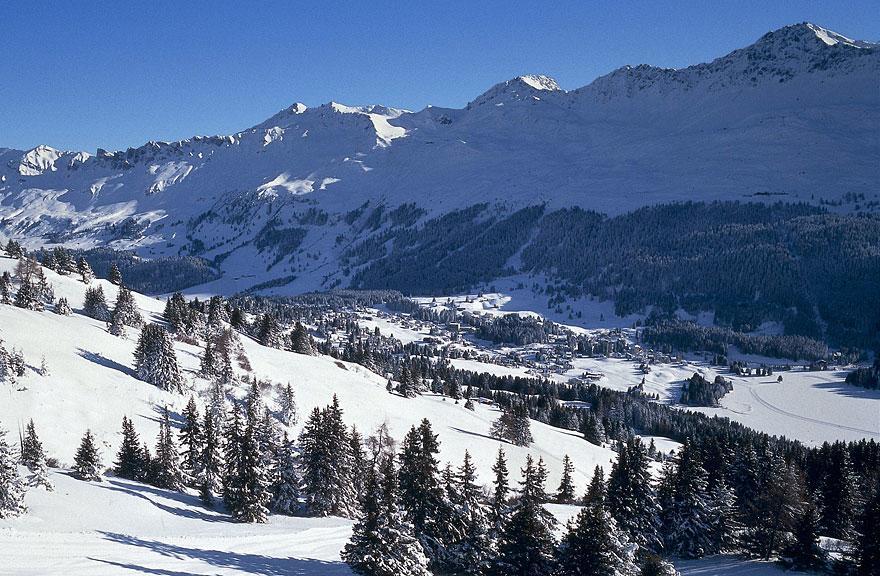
(81, 75)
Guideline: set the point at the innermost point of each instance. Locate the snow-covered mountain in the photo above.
(793, 117)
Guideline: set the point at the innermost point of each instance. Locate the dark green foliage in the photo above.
(87, 462)
(718, 256)
(451, 252)
(130, 458)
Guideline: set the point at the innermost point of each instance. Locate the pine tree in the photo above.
(631, 500)
(421, 493)
(167, 462)
(232, 462)
(130, 458)
(209, 460)
(326, 464)
(87, 462)
(62, 308)
(208, 365)
(596, 489)
(804, 552)
(155, 360)
(565, 492)
(116, 327)
(34, 458)
(300, 341)
(687, 531)
(358, 463)
(382, 543)
(724, 523)
(525, 542)
(837, 499)
(95, 305)
(470, 546)
(286, 488)
(594, 546)
(592, 429)
(5, 288)
(773, 511)
(254, 489)
(867, 545)
(115, 276)
(28, 297)
(191, 441)
(513, 425)
(12, 487)
(14, 249)
(126, 310)
(85, 271)
(269, 332)
(500, 487)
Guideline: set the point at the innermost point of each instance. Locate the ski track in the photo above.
(754, 393)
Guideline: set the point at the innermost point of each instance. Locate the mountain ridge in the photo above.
(792, 117)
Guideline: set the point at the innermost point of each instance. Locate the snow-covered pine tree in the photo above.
(804, 552)
(254, 494)
(209, 460)
(596, 489)
(126, 310)
(525, 542)
(513, 425)
(95, 304)
(631, 499)
(268, 331)
(500, 488)
(62, 307)
(5, 288)
(470, 548)
(130, 457)
(326, 464)
(12, 487)
(688, 532)
(155, 360)
(34, 458)
(300, 341)
(286, 487)
(217, 405)
(27, 297)
(836, 514)
(358, 463)
(87, 462)
(232, 462)
(116, 327)
(191, 442)
(724, 522)
(592, 429)
(867, 542)
(114, 275)
(208, 365)
(382, 543)
(287, 405)
(85, 271)
(594, 546)
(13, 249)
(168, 473)
(565, 492)
(421, 493)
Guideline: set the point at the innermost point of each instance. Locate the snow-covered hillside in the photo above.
(793, 117)
(91, 384)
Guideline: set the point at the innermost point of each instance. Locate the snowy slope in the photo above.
(91, 385)
(793, 117)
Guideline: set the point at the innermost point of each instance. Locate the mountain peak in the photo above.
(519, 88)
(809, 32)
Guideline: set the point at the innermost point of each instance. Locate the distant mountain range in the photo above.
(313, 198)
